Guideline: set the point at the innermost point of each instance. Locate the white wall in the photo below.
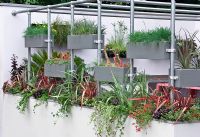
(13, 42)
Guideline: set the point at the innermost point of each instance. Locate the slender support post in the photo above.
(132, 31)
(172, 54)
(29, 49)
(99, 41)
(72, 26)
(99, 33)
(49, 32)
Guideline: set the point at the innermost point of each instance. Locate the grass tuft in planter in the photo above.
(36, 34)
(149, 45)
(57, 67)
(84, 35)
(117, 43)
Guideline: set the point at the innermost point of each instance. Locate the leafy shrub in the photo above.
(118, 41)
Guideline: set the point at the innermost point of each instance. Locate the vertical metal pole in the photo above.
(99, 33)
(49, 32)
(72, 26)
(132, 31)
(29, 49)
(172, 54)
(99, 41)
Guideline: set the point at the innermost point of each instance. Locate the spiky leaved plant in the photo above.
(15, 71)
(187, 50)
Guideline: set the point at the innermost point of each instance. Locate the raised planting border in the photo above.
(56, 70)
(37, 41)
(151, 50)
(104, 73)
(33, 121)
(83, 41)
(187, 77)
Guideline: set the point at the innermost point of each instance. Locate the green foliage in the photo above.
(62, 30)
(155, 35)
(23, 103)
(85, 26)
(113, 107)
(15, 89)
(190, 115)
(118, 41)
(57, 61)
(38, 60)
(64, 94)
(59, 29)
(36, 29)
(35, 2)
(109, 119)
(80, 67)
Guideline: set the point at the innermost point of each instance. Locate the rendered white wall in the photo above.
(40, 123)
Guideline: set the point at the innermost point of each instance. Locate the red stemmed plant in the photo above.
(89, 90)
(117, 60)
(159, 103)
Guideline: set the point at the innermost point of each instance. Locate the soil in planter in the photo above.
(110, 53)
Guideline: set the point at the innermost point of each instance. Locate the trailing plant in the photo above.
(23, 103)
(112, 108)
(117, 43)
(155, 35)
(64, 94)
(85, 26)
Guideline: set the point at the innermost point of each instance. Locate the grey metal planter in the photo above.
(103, 73)
(56, 70)
(148, 50)
(187, 77)
(36, 41)
(83, 41)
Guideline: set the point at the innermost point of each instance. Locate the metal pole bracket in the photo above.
(98, 41)
(170, 50)
(173, 77)
(48, 40)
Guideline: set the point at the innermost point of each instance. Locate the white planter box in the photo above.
(164, 129)
(41, 123)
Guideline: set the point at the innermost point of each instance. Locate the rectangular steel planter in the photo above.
(148, 50)
(103, 73)
(37, 41)
(56, 70)
(187, 77)
(83, 41)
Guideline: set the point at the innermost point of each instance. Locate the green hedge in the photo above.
(35, 2)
